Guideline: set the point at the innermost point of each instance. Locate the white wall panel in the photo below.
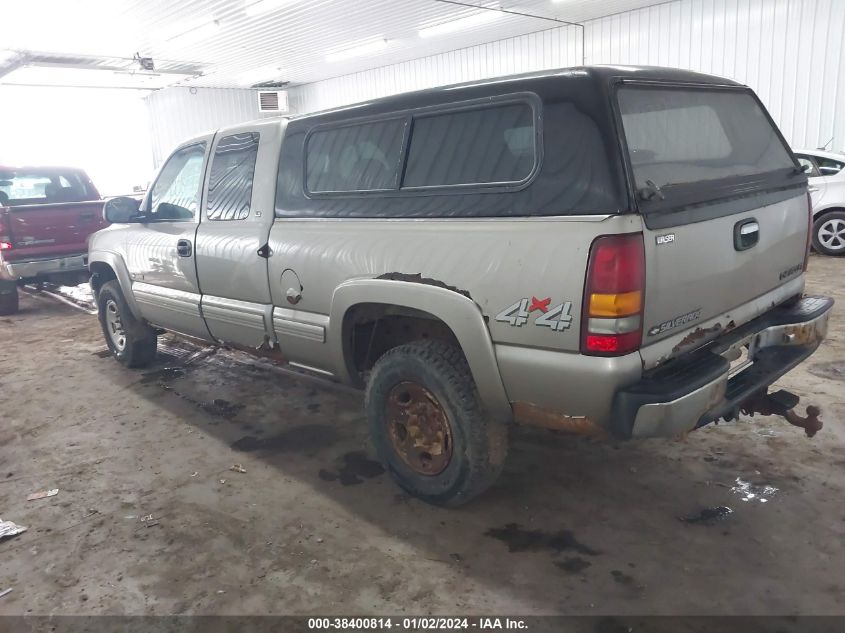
(552, 48)
(790, 51)
(179, 113)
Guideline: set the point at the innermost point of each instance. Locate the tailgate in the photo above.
(725, 212)
(43, 230)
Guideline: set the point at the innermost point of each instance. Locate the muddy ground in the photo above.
(741, 518)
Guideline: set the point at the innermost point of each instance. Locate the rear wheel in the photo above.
(131, 341)
(8, 299)
(829, 233)
(428, 426)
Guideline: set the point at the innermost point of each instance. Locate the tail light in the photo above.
(809, 231)
(611, 323)
(5, 238)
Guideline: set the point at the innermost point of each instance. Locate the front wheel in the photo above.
(132, 342)
(428, 426)
(829, 233)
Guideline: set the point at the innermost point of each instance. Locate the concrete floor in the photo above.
(313, 526)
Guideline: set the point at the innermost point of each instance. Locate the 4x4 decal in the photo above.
(558, 318)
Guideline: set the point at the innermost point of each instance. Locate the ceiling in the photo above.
(238, 43)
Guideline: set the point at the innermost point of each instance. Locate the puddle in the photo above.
(753, 492)
(519, 539)
(708, 516)
(834, 370)
(573, 565)
(356, 467)
(162, 376)
(299, 438)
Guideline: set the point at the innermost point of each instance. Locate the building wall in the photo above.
(176, 114)
(790, 51)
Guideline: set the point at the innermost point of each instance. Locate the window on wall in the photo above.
(363, 157)
(230, 180)
(176, 193)
(479, 146)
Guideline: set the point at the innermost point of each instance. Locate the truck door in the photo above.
(236, 219)
(160, 252)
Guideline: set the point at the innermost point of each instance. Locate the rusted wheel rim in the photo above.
(418, 428)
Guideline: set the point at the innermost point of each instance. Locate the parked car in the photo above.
(47, 215)
(599, 250)
(827, 187)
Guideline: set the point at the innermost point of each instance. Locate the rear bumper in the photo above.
(42, 267)
(700, 388)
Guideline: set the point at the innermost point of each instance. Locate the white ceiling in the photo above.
(241, 42)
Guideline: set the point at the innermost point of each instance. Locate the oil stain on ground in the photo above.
(519, 539)
(355, 468)
(832, 371)
(162, 376)
(708, 516)
(307, 437)
(573, 565)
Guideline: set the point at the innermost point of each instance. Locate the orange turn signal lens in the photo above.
(616, 305)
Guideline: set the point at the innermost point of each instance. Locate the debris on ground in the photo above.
(237, 468)
(7, 528)
(5, 592)
(149, 521)
(222, 481)
(195, 473)
(42, 494)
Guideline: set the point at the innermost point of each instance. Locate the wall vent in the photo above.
(272, 101)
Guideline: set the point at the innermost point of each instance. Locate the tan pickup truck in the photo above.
(608, 250)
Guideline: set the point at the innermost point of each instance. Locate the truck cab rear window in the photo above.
(685, 136)
(478, 146)
(25, 187)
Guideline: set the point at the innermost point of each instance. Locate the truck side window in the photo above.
(175, 195)
(479, 146)
(230, 181)
(361, 157)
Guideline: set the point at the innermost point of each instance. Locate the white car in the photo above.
(827, 190)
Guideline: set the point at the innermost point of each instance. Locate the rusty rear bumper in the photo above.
(701, 387)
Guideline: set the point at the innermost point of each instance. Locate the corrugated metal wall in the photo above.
(552, 48)
(790, 51)
(179, 113)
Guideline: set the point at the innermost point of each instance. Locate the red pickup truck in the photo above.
(46, 217)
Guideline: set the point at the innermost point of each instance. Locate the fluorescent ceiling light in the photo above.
(191, 34)
(357, 51)
(253, 8)
(257, 75)
(88, 78)
(461, 24)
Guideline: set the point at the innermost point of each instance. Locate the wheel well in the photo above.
(100, 274)
(371, 329)
(821, 214)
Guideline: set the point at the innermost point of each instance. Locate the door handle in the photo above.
(746, 234)
(183, 248)
(812, 189)
(89, 215)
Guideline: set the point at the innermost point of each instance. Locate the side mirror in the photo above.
(122, 210)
